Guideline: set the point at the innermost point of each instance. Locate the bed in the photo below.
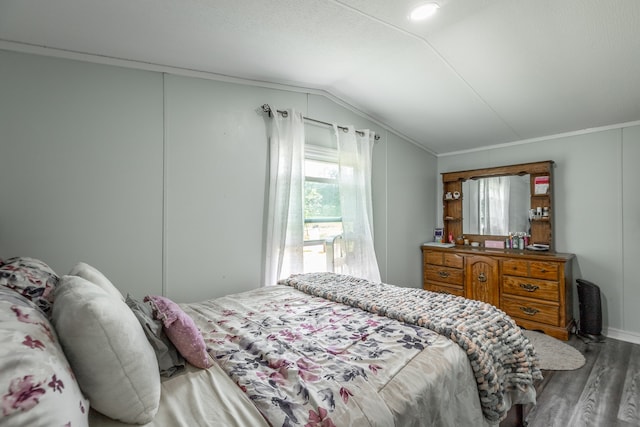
(316, 349)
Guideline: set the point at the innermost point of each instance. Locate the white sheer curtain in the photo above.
(285, 217)
(355, 155)
(494, 205)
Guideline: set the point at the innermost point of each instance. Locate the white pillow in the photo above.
(114, 363)
(94, 276)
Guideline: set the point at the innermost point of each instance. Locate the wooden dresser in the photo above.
(534, 288)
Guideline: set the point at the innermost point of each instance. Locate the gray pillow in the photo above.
(169, 360)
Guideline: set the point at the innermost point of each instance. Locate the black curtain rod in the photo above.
(267, 109)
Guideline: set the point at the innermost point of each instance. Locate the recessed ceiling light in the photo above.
(423, 11)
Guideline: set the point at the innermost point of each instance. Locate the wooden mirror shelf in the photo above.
(533, 287)
(541, 196)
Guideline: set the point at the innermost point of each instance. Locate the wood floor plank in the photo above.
(559, 396)
(553, 414)
(605, 392)
(630, 400)
(598, 403)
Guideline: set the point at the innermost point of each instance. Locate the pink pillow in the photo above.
(181, 330)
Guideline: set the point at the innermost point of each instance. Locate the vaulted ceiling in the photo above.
(478, 73)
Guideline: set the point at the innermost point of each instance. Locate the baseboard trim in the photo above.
(621, 335)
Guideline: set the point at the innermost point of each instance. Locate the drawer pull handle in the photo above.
(443, 274)
(529, 287)
(482, 278)
(543, 270)
(530, 311)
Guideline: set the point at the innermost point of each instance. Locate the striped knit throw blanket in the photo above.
(501, 357)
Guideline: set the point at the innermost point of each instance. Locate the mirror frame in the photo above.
(541, 228)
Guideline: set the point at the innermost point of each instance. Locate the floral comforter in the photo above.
(501, 356)
(309, 361)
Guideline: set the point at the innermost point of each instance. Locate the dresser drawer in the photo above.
(437, 273)
(444, 258)
(438, 287)
(536, 269)
(532, 288)
(515, 267)
(453, 260)
(536, 311)
(543, 270)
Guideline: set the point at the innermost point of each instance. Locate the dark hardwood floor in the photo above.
(604, 392)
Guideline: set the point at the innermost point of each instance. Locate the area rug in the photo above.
(554, 355)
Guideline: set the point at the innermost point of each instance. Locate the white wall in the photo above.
(160, 180)
(216, 169)
(596, 209)
(412, 181)
(631, 229)
(81, 167)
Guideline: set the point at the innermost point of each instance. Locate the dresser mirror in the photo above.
(496, 205)
(481, 212)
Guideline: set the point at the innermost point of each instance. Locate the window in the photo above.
(322, 214)
(338, 201)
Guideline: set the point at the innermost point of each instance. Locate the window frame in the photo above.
(326, 155)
